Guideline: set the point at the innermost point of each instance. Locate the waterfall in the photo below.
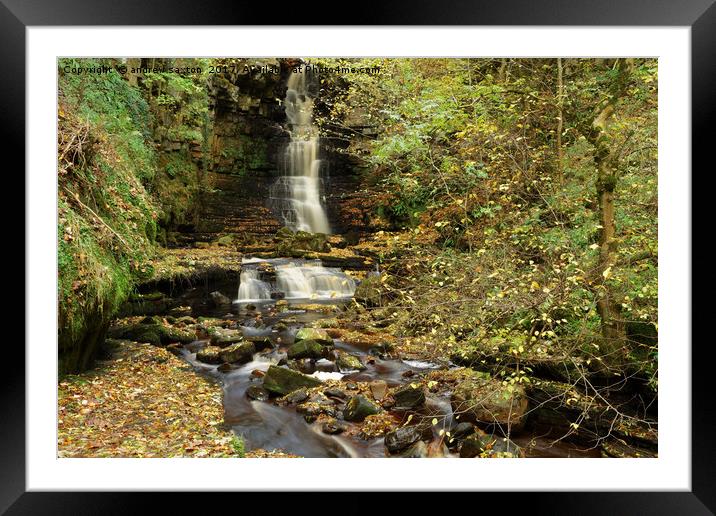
(297, 194)
(294, 279)
(251, 288)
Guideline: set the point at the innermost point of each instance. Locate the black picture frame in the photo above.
(700, 15)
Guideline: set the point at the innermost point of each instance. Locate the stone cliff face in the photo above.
(247, 136)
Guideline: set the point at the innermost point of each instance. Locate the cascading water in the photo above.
(251, 288)
(296, 195)
(293, 279)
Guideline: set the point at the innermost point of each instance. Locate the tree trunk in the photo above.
(560, 123)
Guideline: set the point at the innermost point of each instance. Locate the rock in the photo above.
(280, 327)
(409, 397)
(488, 445)
(303, 365)
(378, 388)
(241, 352)
(358, 408)
(335, 393)
(175, 349)
(218, 300)
(317, 334)
(168, 335)
(258, 373)
(401, 438)
(224, 368)
(382, 348)
(417, 451)
(348, 362)
(196, 345)
(332, 427)
(258, 393)
(224, 338)
(486, 401)
(151, 319)
(368, 292)
(297, 396)
(280, 380)
(260, 343)
(459, 433)
(305, 349)
(209, 355)
(311, 410)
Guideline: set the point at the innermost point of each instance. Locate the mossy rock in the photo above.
(225, 241)
(316, 334)
(222, 337)
(241, 352)
(348, 362)
(209, 355)
(305, 349)
(281, 381)
(409, 396)
(488, 402)
(358, 408)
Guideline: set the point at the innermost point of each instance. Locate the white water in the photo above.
(251, 288)
(298, 193)
(296, 280)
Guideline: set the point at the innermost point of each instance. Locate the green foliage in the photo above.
(238, 445)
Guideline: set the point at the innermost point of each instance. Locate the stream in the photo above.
(268, 425)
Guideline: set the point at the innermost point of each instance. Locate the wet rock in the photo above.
(280, 380)
(312, 410)
(409, 397)
(332, 427)
(280, 327)
(486, 401)
(387, 403)
(407, 374)
(305, 349)
(175, 349)
(260, 343)
(196, 345)
(315, 334)
(209, 355)
(335, 393)
(257, 373)
(241, 352)
(348, 362)
(258, 393)
(351, 386)
(169, 335)
(488, 445)
(297, 396)
(459, 433)
(218, 300)
(224, 368)
(303, 365)
(417, 451)
(401, 438)
(224, 338)
(358, 408)
(378, 388)
(325, 365)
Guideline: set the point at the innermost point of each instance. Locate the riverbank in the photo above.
(142, 401)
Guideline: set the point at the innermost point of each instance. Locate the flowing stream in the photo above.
(296, 195)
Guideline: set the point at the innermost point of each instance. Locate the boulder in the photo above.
(241, 352)
(297, 396)
(409, 396)
(317, 334)
(417, 451)
(332, 427)
(348, 362)
(258, 393)
(260, 343)
(209, 355)
(378, 388)
(488, 445)
(305, 349)
(218, 300)
(401, 438)
(335, 393)
(358, 408)
(281, 381)
(488, 402)
(459, 433)
(223, 338)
